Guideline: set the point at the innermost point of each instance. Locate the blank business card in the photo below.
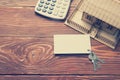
(72, 44)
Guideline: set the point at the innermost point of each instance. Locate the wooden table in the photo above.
(26, 48)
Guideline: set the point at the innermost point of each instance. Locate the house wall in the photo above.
(102, 29)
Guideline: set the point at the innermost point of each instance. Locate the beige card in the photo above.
(72, 44)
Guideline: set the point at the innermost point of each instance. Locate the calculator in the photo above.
(54, 9)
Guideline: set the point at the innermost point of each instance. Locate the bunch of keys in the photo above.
(95, 60)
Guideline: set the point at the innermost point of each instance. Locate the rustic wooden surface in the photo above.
(26, 48)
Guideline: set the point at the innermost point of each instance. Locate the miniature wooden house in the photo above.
(99, 18)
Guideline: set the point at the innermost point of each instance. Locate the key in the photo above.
(93, 57)
(94, 65)
(100, 60)
(95, 60)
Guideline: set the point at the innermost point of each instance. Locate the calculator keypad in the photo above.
(56, 9)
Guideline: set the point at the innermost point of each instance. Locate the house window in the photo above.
(98, 22)
(89, 17)
(110, 27)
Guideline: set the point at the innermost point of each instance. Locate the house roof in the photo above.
(106, 10)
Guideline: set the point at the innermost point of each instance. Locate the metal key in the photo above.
(93, 57)
(100, 60)
(95, 60)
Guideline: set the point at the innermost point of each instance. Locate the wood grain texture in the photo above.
(37, 77)
(27, 55)
(23, 21)
(26, 22)
(17, 3)
(26, 48)
(26, 3)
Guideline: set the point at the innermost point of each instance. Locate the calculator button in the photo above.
(54, 0)
(55, 12)
(49, 11)
(44, 10)
(51, 8)
(60, 15)
(52, 4)
(41, 1)
(66, 0)
(63, 7)
(47, 3)
(46, 6)
(58, 6)
(62, 11)
(60, 2)
(39, 8)
(65, 4)
(40, 5)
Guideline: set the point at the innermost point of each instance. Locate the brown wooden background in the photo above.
(26, 48)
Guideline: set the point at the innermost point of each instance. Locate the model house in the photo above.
(99, 18)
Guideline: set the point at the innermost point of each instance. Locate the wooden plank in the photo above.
(26, 46)
(16, 3)
(39, 77)
(23, 21)
(26, 3)
(30, 55)
(19, 21)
